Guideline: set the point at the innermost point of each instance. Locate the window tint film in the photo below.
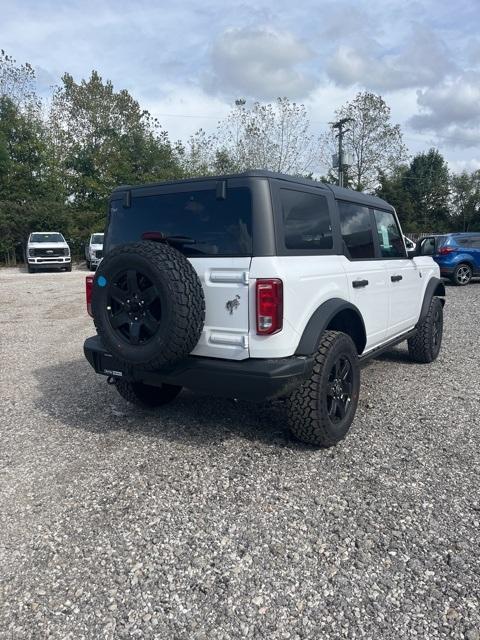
(306, 220)
(356, 228)
(195, 221)
(389, 236)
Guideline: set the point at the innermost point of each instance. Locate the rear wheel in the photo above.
(462, 275)
(146, 396)
(322, 409)
(425, 346)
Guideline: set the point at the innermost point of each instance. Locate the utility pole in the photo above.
(341, 131)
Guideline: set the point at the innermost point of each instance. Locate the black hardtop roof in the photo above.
(338, 192)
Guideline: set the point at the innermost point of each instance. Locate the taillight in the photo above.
(444, 250)
(269, 306)
(88, 293)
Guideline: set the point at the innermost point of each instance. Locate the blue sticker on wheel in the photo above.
(101, 281)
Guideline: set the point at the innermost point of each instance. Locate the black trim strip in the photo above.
(385, 347)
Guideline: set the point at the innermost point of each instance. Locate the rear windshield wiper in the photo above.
(159, 236)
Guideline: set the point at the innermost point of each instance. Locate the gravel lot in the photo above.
(205, 520)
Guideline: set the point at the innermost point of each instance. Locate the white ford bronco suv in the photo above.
(47, 250)
(257, 286)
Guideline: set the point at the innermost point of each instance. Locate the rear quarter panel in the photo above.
(308, 281)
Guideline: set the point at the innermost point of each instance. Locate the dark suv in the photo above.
(457, 254)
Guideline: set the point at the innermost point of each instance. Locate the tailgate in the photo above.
(225, 286)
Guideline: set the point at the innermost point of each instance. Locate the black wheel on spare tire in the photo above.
(322, 409)
(425, 345)
(148, 304)
(462, 275)
(146, 396)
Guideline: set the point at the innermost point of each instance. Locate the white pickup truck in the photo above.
(47, 250)
(94, 251)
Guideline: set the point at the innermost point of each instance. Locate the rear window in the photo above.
(306, 220)
(97, 238)
(356, 228)
(197, 222)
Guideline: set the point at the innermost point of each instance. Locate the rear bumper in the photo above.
(251, 379)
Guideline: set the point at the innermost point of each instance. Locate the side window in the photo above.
(389, 236)
(306, 220)
(356, 228)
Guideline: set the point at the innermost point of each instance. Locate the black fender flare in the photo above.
(435, 287)
(320, 320)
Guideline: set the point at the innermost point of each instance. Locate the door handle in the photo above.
(396, 278)
(357, 284)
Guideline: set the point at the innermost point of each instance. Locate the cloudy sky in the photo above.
(188, 61)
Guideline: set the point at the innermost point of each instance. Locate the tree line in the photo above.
(61, 157)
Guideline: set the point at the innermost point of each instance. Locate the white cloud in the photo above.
(457, 166)
(452, 110)
(184, 109)
(422, 61)
(259, 63)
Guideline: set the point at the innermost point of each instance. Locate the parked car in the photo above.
(94, 251)
(257, 286)
(457, 254)
(46, 250)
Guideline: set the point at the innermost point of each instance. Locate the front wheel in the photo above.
(322, 409)
(425, 345)
(30, 269)
(146, 396)
(462, 275)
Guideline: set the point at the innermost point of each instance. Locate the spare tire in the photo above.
(148, 304)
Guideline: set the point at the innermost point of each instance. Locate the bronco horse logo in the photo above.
(233, 304)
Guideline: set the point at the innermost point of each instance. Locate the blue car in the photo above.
(457, 254)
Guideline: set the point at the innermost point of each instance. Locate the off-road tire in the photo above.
(307, 406)
(182, 300)
(462, 275)
(69, 267)
(425, 345)
(146, 396)
(30, 269)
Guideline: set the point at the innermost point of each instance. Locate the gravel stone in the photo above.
(206, 520)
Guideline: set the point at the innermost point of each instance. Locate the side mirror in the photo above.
(411, 253)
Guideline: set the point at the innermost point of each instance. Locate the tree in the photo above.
(17, 82)
(374, 142)
(465, 213)
(427, 183)
(392, 189)
(24, 171)
(275, 137)
(102, 139)
(272, 136)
